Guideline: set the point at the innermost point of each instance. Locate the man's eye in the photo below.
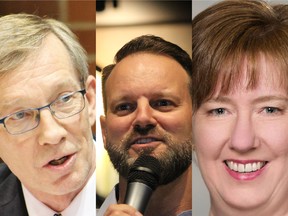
(163, 105)
(19, 116)
(123, 109)
(65, 98)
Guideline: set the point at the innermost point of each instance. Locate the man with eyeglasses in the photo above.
(47, 109)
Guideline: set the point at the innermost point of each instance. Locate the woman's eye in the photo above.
(218, 111)
(272, 110)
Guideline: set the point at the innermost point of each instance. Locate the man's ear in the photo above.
(103, 129)
(91, 98)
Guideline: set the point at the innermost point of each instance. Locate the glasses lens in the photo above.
(22, 121)
(68, 105)
(63, 107)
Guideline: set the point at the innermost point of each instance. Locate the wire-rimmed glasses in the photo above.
(63, 107)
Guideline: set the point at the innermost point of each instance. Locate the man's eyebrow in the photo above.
(10, 102)
(128, 95)
(18, 99)
(65, 84)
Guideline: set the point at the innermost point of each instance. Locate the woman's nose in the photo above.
(243, 137)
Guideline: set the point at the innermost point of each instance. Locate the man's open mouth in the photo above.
(57, 162)
(144, 140)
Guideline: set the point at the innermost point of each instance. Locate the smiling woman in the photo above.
(240, 115)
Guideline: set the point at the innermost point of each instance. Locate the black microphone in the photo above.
(143, 178)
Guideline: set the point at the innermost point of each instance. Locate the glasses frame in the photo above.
(2, 120)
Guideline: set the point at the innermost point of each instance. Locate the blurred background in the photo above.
(117, 22)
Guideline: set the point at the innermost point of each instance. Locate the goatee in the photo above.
(175, 160)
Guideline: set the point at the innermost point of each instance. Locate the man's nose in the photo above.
(144, 117)
(51, 132)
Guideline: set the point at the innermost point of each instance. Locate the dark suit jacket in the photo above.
(12, 202)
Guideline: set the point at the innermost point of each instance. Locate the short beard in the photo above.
(175, 160)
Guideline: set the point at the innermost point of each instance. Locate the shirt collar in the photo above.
(83, 204)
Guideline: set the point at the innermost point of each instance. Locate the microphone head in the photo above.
(146, 169)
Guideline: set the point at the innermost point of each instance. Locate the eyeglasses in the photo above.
(63, 107)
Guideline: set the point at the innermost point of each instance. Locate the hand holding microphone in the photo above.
(143, 179)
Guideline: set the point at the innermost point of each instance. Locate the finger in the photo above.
(121, 210)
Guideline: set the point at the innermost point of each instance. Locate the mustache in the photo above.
(135, 133)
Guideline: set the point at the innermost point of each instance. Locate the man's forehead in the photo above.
(146, 62)
(14, 96)
(145, 71)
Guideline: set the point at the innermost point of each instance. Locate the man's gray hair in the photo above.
(21, 34)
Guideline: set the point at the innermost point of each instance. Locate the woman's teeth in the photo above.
(245, 168)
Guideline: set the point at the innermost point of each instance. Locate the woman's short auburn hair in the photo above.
(230, 32)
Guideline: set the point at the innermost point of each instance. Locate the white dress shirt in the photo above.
(83, 204)
(110, 199)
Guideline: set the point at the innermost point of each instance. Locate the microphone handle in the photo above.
(138, 195)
